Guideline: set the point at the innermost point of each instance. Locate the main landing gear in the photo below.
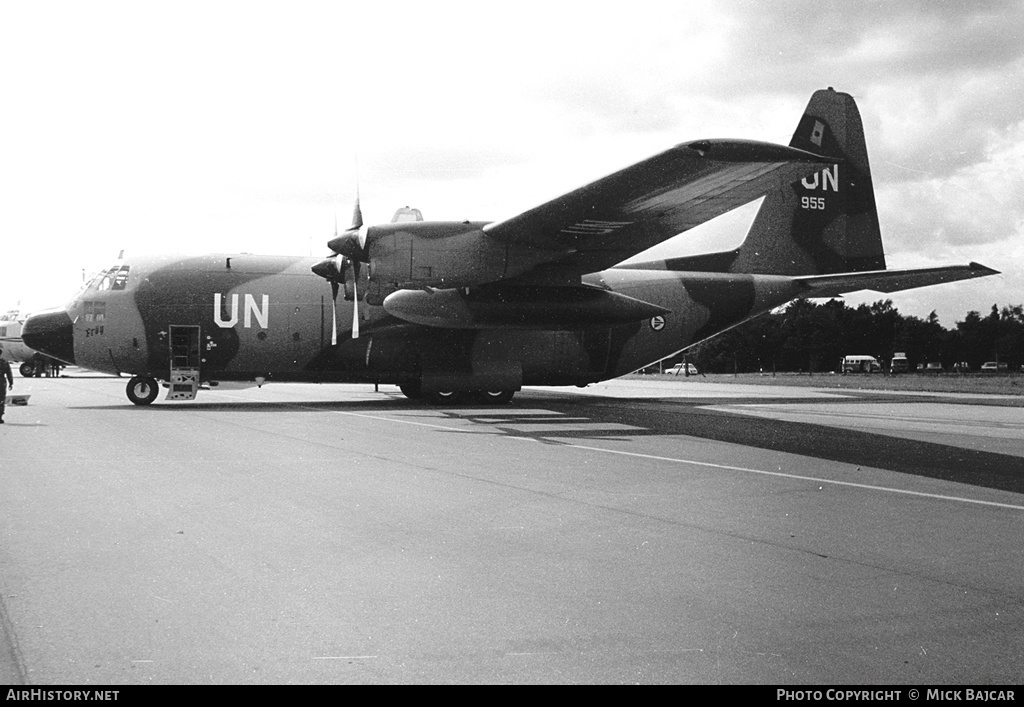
(498, 397)
(444, 397)
(142, 390)
(414, 391)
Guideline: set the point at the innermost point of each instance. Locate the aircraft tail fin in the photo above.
(826, 223)
(822, 224)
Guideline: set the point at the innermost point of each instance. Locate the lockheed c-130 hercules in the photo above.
(446, 309)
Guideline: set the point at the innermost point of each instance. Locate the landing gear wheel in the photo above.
(413, 390)
(142, 391)
(27, 370)
(497, 397)
(443, 397)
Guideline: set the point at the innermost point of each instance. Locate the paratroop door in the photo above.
(184, 380)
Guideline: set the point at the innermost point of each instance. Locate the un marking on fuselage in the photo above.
(825, 180)
(261, 313)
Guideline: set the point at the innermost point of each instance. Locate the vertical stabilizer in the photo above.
(826, 223)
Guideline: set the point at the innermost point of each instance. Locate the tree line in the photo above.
(814, 337)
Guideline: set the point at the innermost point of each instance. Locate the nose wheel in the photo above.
(141, 390)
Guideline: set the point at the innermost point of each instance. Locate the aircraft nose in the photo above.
(50, 333)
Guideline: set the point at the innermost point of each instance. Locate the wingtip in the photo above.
(978, 266)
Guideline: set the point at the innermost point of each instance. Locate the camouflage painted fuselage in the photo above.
(270, 318)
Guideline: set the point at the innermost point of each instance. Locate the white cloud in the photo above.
(979, 203)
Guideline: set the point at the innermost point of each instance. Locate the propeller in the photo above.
(349, 247)
(352, 243)
(333, 270)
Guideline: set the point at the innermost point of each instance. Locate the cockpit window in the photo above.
(96, 283)
(120, 278)
(116, 278)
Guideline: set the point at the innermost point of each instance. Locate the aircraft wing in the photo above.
(889, 280)
(607, 221)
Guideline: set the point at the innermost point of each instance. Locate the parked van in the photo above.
(899, 363)
(861, 364)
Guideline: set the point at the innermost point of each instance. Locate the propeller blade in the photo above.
(334, 313)
(357, 216)
(355, 305)
(355, 299)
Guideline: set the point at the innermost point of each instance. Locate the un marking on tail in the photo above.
(825, 179)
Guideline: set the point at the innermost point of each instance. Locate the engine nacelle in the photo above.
(443, 254)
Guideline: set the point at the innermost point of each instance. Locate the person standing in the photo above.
(6, 378)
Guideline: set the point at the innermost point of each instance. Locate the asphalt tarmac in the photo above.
(633, 532)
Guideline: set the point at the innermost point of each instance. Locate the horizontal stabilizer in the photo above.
(889, 280)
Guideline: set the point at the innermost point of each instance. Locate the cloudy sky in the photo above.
(231, 126)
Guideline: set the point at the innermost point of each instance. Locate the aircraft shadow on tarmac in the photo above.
(566, 418)
(693, 419)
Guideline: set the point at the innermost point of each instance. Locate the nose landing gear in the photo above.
(142, 390)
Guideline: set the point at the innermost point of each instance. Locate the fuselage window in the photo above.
(95, 311)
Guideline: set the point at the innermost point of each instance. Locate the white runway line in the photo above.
(343, 657)
(959, 499)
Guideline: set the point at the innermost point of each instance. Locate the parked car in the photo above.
(678, 370)
(994, 366)
(961, 366)
(899, 363)
(933, 367)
